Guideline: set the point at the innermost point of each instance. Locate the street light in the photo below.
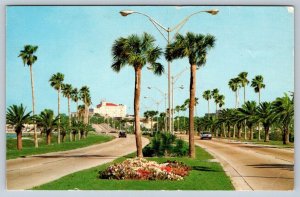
(176, 28)
(157, 106)
(165, 97)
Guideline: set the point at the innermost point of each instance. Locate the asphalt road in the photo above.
(253, 167)
(25, 173)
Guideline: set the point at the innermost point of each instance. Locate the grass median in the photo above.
(205, 175)
(29, 149)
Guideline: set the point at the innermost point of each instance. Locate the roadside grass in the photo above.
(29, 149)
(205, 175)
(270, 143)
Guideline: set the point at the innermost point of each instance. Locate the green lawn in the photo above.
(205, 175)
(29, 149)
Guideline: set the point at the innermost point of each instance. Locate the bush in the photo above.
(141, 169)
(165, 144)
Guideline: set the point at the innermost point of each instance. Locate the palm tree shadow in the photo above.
(205, 169)
(289, 167)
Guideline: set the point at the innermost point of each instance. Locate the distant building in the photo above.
(107, 109)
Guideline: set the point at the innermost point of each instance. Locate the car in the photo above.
(205, 135)
(122, 134)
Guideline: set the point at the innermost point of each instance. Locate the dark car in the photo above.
(205, 135)
(122, 134)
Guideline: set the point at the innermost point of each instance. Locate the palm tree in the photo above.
(248, 112)
(16, 116)
(162, 115)
(194, 47)
(56, 82)
(234, 85)
(85, 97)
(67, 92)
(183, 108)
(244, 82)
(258, 83)
(75, 98)
(28, 57)
(137, 51)
(81, 111)
(150, 114)
(283, 108)
(177, 109)
(220, 100)
(215, 94)
(48, 122)
(266, 117)
(207, 96)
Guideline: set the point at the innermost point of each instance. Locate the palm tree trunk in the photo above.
(85, 120)
(77, 116)
(191, 111)
(137, 94)
(208, 106)
(259, 96)
(267, 135)
(245, 131)
(36, 144)
(233, 136)
(19, 140)
(286, 139)
(69, 112)
(48, 138)
(178, 129)
(239, 132)
(251, 133)
(236, 101)
(244, 94)
(58, 112)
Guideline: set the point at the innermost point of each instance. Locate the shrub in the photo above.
(165, 144)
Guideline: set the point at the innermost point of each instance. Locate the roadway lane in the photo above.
(25, 173)
(253, 167)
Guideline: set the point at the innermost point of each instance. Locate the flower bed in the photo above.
(142, 169)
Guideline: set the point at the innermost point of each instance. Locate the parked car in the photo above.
(122, 134)
(205, 135)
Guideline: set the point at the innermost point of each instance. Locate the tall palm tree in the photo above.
(266, 117)
(75, 98)
(150, 115)
(258, 83)
(207, 96)
(67, 92)
(85, 97)
(234, 85)
(17, 116)
(215, 94)
(244, 82)
(56, 82)
(28, 57)
(137, 51)
(195, 48)
(48, 122)
(249, 112)
(283, 108)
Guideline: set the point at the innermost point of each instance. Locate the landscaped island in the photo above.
(204, 174)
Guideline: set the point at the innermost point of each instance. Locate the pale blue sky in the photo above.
(77, 41)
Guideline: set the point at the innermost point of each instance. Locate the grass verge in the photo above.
(205, 175)
(29, 149)
(277, 144)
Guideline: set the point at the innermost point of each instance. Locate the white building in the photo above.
(110, 109)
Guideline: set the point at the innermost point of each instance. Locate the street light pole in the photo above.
(176, 28)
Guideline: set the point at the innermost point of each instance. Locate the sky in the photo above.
(77, 41)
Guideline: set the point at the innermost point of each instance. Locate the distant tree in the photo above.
(17, 117)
